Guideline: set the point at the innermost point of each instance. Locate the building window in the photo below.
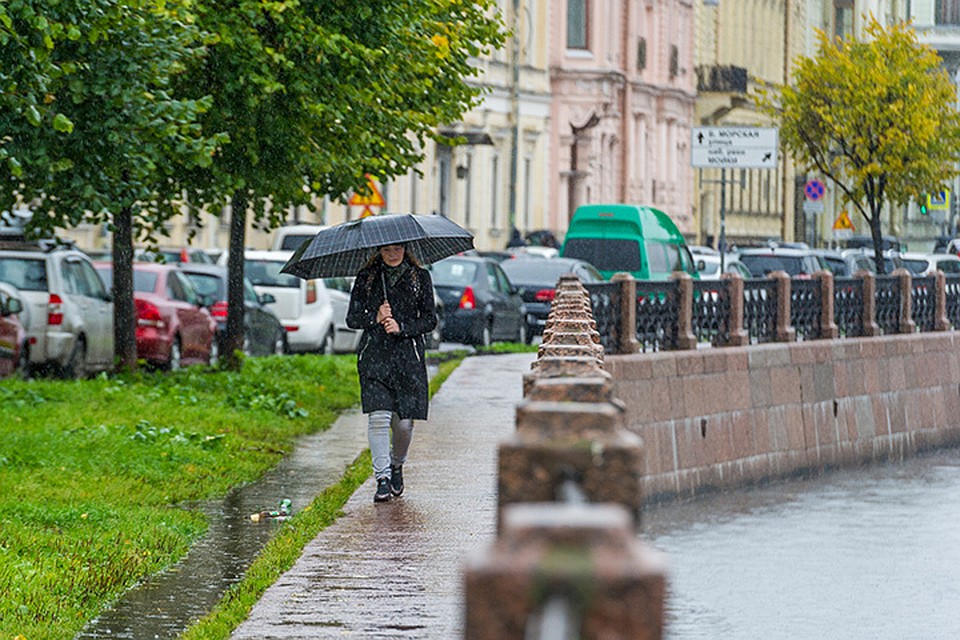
(843, 18)
(948, 12)
(577, 24)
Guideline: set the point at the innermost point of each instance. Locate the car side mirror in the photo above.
(13, 307)
(267, 298)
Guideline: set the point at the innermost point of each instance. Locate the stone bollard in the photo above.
(586, 557)
(564, 366)
(559, 440)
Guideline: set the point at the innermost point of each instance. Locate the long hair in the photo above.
(408, 257)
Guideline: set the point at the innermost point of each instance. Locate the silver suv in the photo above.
(68, 313)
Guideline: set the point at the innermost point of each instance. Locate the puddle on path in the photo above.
(167, 604)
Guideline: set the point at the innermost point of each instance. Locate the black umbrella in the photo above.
(342, 250)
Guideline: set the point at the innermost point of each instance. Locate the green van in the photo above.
(642, 241)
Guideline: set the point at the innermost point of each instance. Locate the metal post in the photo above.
(722, 244)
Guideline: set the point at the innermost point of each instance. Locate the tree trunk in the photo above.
(124, 312)
(876, 234)
(235, 307)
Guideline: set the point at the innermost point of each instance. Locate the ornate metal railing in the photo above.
(605, 300)
(923, 302)
(712, 315)
(848, 306)
(888, 304)
(711, 312)
(760, 310)
(658, 315)
(806, 308)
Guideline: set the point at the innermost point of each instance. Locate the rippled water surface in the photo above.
(871, 553)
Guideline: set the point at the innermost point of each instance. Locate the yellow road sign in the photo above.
(373, 199)
(843, 222)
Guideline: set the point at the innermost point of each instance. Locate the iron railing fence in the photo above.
(711, 317)
(658, 315)
(711, 312)
(806, 308)
(760, 310)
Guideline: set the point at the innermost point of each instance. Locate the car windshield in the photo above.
(605, 254)
(207, 284)
(28, 274)
(915, 266)
(453, 273)
(293, 241)
(764, 264)
(266, 273)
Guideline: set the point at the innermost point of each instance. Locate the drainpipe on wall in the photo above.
(514, 114)
(626, 118)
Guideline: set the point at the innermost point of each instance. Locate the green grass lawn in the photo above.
(97, 477)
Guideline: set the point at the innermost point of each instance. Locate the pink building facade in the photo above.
(623, 87)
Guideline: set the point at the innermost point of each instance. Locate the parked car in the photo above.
(290, 237)
(797, 263)
(642, 241)
(536, 280)
(263, 333)
(174, 327)
(13, 337)
(345, 339)
(305, 307)
(173, 255)
(68, 313)
(927, 264)
(480, 305)
(708, 266)
(863, 260)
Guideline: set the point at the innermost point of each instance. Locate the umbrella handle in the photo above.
(383, 280)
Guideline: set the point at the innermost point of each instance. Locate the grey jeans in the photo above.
(384, 429)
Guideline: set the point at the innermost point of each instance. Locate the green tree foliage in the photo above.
(314, 94)
(877, 117)
(90, 128)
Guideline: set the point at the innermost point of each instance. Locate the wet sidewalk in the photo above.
(394, 570)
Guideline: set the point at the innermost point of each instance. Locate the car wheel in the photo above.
(176, 355)
(23, 364)
(76, 366)
(280, 343)
(214, 351)
(486, 336)
(326, 347)
(522, 334)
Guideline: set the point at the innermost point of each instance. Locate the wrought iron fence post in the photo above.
(940, 321)
(904, 281)
(738, 335)
(828, 325)
(784, 332)
(686, 339)
(870, 327)
(628, 342)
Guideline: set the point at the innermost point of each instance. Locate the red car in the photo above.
(174, 328)
(12, 335)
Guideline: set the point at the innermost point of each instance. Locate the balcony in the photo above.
(721, 79)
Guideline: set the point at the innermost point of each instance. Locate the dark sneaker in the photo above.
(383, 490)
(396, 480)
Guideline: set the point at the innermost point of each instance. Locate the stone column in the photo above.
(905, 284)
(940, 321)
(738, 335)
(686, 340)
(627, 340)
(828, 325)
(869, 318)
(784, 331)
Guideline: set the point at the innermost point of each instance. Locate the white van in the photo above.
(290, 238)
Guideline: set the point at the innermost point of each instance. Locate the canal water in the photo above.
(871, 553)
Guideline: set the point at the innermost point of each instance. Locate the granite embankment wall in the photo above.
(727, 417)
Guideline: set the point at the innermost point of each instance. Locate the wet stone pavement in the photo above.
(394, 570)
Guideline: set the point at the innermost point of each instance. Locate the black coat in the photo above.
(392, 368)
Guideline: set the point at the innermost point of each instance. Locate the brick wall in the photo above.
(719, 418)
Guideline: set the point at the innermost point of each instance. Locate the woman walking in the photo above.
(392, 302)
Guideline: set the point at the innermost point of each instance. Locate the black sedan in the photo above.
(480, 305)
(263, 333)
(536, 280)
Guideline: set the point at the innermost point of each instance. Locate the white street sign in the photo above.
(734, 147)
